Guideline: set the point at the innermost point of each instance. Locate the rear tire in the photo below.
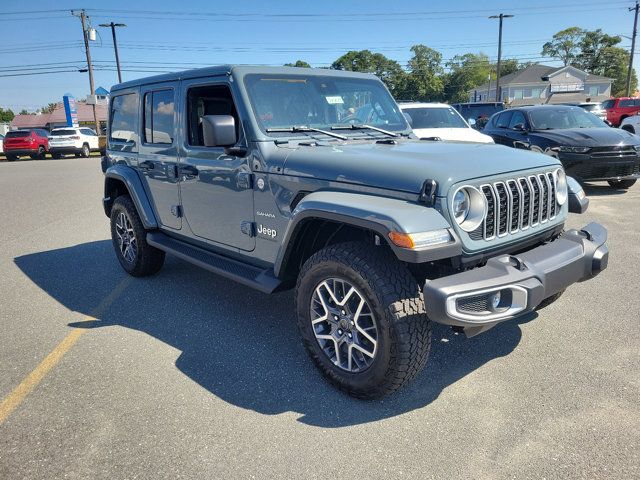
(385, 301)
(622, 184)
(129, 238)
(11, 158)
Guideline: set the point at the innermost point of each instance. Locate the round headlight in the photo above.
(460, 205)
(469, 207)
(562, 190)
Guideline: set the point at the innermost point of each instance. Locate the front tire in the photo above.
(362, 319)
(85, 151)
(129, 238)
(11, 158)
(622, 184)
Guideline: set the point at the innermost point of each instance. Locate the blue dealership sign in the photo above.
(70, 111)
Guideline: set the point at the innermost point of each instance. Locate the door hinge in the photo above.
(176, 211)
(248, 228)
(245, 180)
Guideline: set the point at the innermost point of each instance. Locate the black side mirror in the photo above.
(218, 130)
(520, 127)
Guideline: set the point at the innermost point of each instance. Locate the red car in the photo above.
(620, 108)
(33, 142)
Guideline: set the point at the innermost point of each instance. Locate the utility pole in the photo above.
(85, 34)
(633, 46)
(115, 44)
(501, 17)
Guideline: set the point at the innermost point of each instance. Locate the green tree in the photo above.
(49, 108)
(466, 72)
(23, 112)
(298, 63)
(424, 80)
(510, 65)
(565, 45)
(389, 71)
(6, 115)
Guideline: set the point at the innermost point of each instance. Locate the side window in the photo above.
(607, 104)
(626, 103)
(516, 118)
(503, 120)
(208, 100)
(123, 114)
(159, 117)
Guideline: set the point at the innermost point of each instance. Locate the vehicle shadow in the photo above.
(601, 189)
(241, 345)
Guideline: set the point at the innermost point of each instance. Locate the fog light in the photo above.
(495, 301)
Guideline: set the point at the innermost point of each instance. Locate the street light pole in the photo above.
(500, 17)
(633, 46)
(115, 44)
(85, 34)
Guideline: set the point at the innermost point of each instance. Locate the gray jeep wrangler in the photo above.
(283, 178)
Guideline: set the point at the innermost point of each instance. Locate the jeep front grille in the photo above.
(517, 204)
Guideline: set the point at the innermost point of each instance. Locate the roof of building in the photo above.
(102, 91)
(536, 73)
(85, 114)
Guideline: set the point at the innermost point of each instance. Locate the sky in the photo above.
(161, 35)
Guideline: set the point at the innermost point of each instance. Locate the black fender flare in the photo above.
(129, 177)
(380, 215)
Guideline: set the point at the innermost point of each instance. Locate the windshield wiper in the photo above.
(303, 129)
(364, 127)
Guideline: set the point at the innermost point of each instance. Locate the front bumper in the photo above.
(524, 280)
(591, 168)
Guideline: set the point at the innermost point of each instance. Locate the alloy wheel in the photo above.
(344, 325)
(126, 238)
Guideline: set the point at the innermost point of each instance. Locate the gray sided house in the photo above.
(539, 84)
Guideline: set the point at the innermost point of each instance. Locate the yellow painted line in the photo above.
(16, 397)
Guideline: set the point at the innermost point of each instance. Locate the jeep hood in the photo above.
(406, 165)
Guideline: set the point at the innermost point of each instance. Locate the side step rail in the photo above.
(262, 280)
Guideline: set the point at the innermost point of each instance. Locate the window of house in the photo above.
(536, 92)
(158, 117)
(594, 90)
(208, 100)
(124, 110)
(518, 94)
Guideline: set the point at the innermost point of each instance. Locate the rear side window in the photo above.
(17, 134)
(158, 117)
(124, 111)
(503, 120)
(627, 103)
(87, 131)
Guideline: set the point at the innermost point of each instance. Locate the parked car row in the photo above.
(37, 142)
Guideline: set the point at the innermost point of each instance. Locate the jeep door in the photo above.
(158, 153)
(215, 185)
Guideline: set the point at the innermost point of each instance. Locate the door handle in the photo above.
(188, 170)
(146, 165)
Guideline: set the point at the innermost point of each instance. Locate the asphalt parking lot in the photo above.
(187, 375)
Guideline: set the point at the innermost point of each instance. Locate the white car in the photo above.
(631, 124)
(72, 140)
(441, 121)
(1, 143)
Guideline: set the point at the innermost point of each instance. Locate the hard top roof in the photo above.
(239, 70)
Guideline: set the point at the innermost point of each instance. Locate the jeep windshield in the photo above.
(282, 102)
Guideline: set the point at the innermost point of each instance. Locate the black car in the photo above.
(587, 147)
(479, 112)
